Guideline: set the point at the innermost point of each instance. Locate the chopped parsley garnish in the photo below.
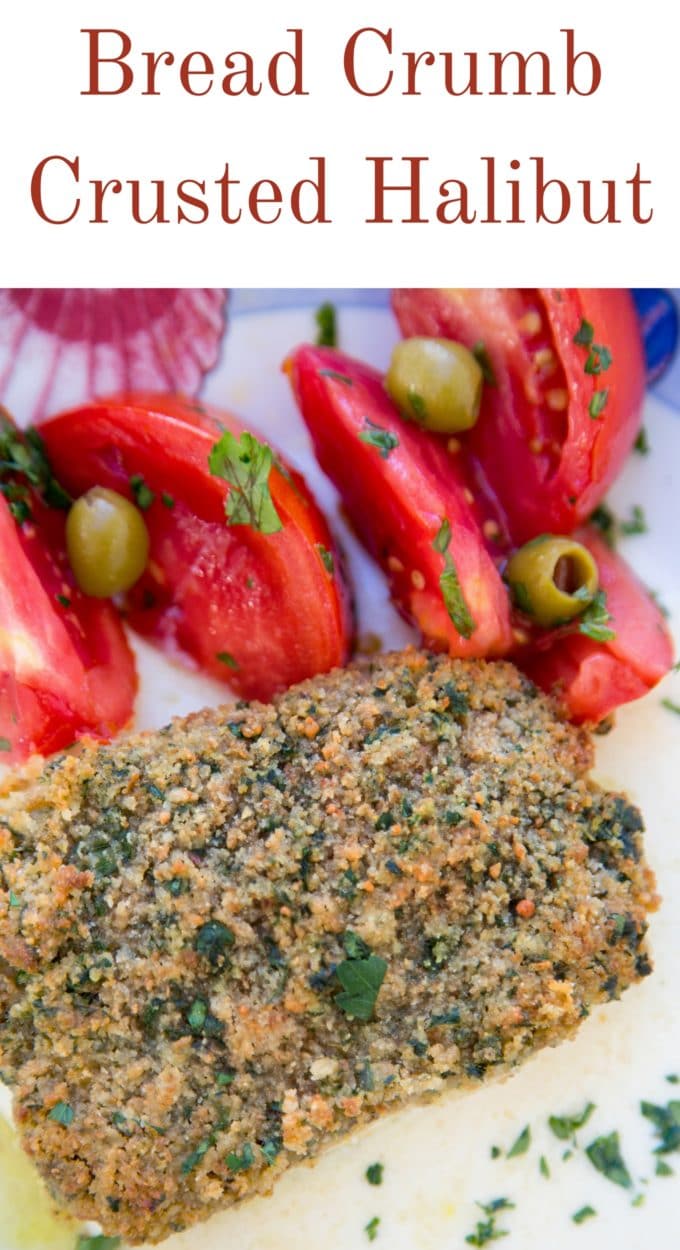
(167, 499)
(62, 1113)
(521, 1145)
(593, 622)
(543, 1167)
(14, 900)
(449, 584)
(666, 1121)
(326, 558)
(446, 1017)
(241, 1162)
(485, 1232)
(454, 600)
(98, 1241)
(417, 405)
(371, 1229)
(63, 600)
(522, 598)
(495, 1152)
(670, 706)
(564, 1126)
(225, 657)
(327, 329)
(598, 403)
(604, 519)
(641, 443)
(361, 980)
(599, 360)
(442, 538)
(337, 377)
(222, 1079)
(374, 1173)
(376, 436)
(192, 1160)
(355, 947)
(637, 523)
(673, 1078)
(143, 494)
(585, 334)
(495, 1205)
(662, 1168)
(197, 1014)
(212, 940)
(22, 456)
(271, 1148)
(584, 1213)
(326, 326)
(605, 1155)
(246, 464)
(483, 359)
(5, 744)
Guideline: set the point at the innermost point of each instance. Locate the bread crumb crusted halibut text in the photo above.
(226, 942)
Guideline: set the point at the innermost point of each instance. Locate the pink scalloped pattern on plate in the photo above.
(59, 348)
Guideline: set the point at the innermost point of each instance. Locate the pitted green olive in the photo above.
(552, 579)
(107, 542)
(437, 383)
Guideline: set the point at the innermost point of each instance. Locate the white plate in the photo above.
(437, 1162)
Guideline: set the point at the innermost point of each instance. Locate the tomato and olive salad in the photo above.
(470, 472)
(213, 548)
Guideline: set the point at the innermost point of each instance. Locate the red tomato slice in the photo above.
(397, 498)
(65, 667)
(592, 678)
(266, 603)
(536, 449)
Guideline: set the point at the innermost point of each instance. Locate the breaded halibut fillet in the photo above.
(227, 942)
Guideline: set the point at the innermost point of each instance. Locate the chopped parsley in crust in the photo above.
(201, 905)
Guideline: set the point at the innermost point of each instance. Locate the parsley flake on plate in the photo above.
(371, 1229)
(584, 1213)
(564, 1126)
(98, 1241)
(666, 1121)
(521, 1145)
(605, 1155)
(327, 328)
(637, 524)
(246, 463)
(374, 1173)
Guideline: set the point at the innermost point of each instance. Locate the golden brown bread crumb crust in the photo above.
(175, 906)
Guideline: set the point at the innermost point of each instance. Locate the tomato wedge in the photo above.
(66, 669)
(257, 610)
(398, 486)
(564, 402)
(593, 678)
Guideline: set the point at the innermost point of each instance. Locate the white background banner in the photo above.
(218, 180)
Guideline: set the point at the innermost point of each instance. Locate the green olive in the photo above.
(552, 579)
(107, 542)
(437, 383)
